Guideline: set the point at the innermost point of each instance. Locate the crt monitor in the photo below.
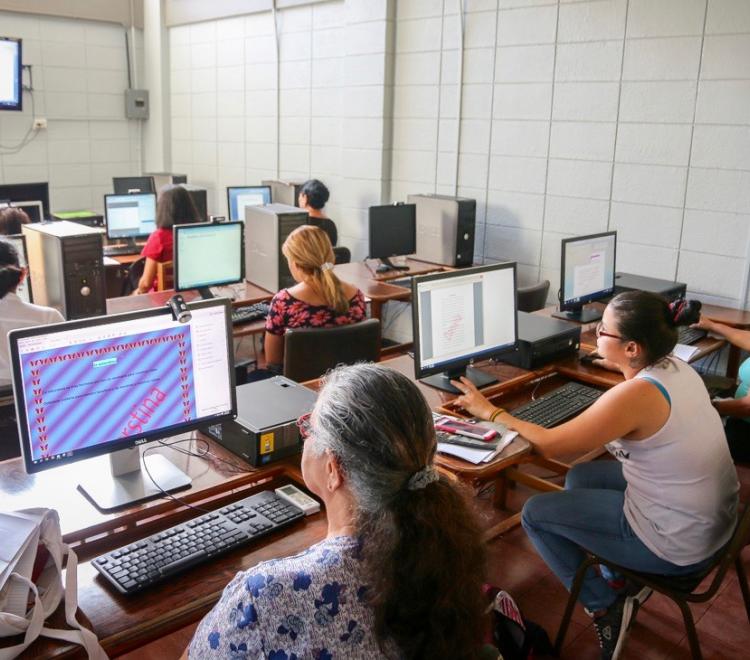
(26, 192)
(461, 316)
(587, 274)
(208, 255)
(238, 197)
(122, 185)
(130, 216)
(106, 385)
(11, 63)
(19, 242)
(393, 232)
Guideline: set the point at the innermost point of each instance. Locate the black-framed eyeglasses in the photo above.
(602, 333)
(304, 426)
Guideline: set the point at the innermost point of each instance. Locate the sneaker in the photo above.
(612, 627)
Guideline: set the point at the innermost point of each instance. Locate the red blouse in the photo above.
(288, 312)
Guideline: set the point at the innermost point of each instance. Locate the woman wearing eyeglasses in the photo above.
(399, 574)
(668, 503)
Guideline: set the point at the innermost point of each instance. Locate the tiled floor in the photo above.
(657, 634)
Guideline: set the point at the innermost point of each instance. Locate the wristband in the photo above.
(496, 413)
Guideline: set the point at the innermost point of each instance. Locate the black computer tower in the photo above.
(630, 282)
(66, 264)
(445, 229)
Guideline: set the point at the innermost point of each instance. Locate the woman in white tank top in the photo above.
(668, 503)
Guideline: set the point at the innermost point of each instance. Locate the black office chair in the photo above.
(310, 352)
(534, 297)
(342, 255)
(133, 276)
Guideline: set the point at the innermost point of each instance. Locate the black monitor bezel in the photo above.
(229, 198)
(373, 236)
(35, 187)
(16, 107)
(120, 179)
(131, 441)
(458, 363)
(189, 227)
(106, 216)
(22, 238)
(569, 306)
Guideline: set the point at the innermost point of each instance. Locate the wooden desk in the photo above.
(125, 623)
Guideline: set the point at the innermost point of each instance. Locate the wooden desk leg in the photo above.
(501, 527)
(733, 362)
(376, 309)
(501, 491)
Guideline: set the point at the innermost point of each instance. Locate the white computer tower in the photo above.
(266, 229)
(445, 229)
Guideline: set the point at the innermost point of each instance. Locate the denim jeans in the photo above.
(589, 515)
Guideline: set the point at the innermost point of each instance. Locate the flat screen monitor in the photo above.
(24, 290)
(393, 232)
(208, 255)
(587, 274)
(238, 197)
(461, 316)
(106, 385)
(34, 210)
(130, 216)
(122, 185)
(11, 88)
(26, 192)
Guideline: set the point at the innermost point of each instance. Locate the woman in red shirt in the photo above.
(175, 207)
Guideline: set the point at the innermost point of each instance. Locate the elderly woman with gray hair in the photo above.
(399, 574)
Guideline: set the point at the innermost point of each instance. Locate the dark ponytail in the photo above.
(422, 549)
(10, 268)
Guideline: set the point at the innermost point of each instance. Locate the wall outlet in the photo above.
(40, 123)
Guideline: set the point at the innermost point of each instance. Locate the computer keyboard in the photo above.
(250, 313)
(558, 405)
(687, 335)
(114, 250)
(160, 556)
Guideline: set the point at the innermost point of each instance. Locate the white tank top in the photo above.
(681, 497)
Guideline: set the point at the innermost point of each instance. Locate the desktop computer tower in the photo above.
(630, 282)
(542, 339)
(284, 192)
(66, 265)
(200, 199)
(445, 229)
(266, 229)
(162, 179)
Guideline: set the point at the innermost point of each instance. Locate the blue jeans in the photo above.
(589, 515)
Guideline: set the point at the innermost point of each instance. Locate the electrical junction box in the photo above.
(136, 103)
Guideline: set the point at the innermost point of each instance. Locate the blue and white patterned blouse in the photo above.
(307, 606)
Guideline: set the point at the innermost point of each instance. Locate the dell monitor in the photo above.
(238, 197)
(106, 385)
(26, 192)
(123, 185)
(393, 232)
(461, 316)
(18, 241)
(11, 66)
(208, 255)
(129, 216)
(587, 274)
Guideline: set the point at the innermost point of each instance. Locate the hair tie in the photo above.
(422, 478)
(685, 312)
(326, 266)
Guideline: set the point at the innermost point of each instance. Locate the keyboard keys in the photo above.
(558, 405)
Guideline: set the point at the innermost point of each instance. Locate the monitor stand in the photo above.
(580, 315)
(442, 381)
(205, 292)
(129, 482)
(386, 264)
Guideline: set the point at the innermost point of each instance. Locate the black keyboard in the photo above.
(160, 556)
(558, 405)
(114, 250)
(686, 335)
(250, 313)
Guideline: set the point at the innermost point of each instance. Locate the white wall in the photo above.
(79, 74)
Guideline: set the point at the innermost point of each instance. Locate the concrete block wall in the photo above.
(333, 104)
(581, 116)
(80, 75)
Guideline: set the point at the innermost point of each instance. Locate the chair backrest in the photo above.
(133, 276)
(532, 298)
(164, 275)
(310, 352)
(342, 255)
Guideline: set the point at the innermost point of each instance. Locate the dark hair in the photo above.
(10, 268)
(12, 219)
(423, 554)
(647, 319)
(175, 207)
(316, 192)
